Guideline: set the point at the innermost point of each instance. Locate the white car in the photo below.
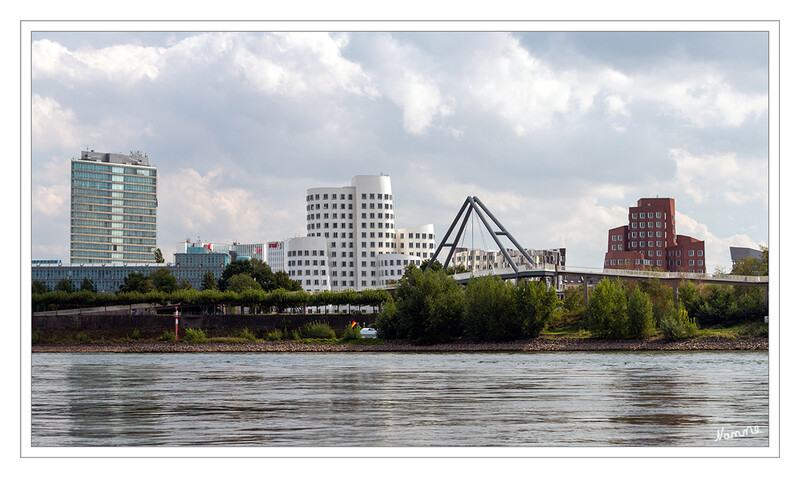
(369, 333)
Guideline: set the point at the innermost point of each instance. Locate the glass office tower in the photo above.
(112, 209)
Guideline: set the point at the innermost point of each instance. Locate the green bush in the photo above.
(247, 335)
(317, 330)
(37, 336)
(82, 337)
(275, 335)
(167, 336)
(194, 335)
(136, 335)
(676, 324)
(351, 333)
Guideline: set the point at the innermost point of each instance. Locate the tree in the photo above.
(436, 266)
(163, 280)
(235, 267)
(242, 282)
(262, 273)
(459, 269)
(640, 315)
(185, 285)
(282, 281)
(429, 308)
(489, 310)
(87, 285)
(606, 312)
(159, 256)
(64, 285)
(209, 282)
(753, 266)
(136, 282)
(38, 287)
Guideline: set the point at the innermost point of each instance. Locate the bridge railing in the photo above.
(507, 271)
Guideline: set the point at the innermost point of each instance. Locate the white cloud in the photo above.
(717, 248)
(122, 64)
(281, 63)
(737, 180)
(52, 127)
(705, 99)
(50, 201)
(506, 80)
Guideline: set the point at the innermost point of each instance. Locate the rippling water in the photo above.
(384, 399)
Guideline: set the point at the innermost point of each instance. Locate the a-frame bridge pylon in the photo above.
(472, 203)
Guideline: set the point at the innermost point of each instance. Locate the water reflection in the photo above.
(511, 399)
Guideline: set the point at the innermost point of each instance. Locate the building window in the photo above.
(699, 253)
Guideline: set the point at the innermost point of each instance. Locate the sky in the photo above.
(558, 133)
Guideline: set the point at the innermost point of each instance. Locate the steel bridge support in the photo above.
(472, 203)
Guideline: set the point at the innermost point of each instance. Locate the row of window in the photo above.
(112, 240)
(76, 246)
(119, 218)
(312, 207)
(112, 202)
(95, 166)
(308, 272)
(78, 191)
(416, 235)
(311, 217)
(113, 186)
(114, 232)
(306, 252)
(116, 209)
(312, 197)
(635, 215)
(143, 257)
(307, 262)
(117, 178)
(641, 225)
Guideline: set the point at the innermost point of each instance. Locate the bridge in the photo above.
(564, 276)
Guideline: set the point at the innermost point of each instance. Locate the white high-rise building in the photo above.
(357, 224)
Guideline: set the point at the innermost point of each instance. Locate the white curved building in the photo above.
(306, 261)
(358, 224)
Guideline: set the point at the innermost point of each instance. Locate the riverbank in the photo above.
(535, 345)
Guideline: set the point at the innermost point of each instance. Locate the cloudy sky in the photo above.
(557, 133)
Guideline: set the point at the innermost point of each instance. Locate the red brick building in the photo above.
(649, 241)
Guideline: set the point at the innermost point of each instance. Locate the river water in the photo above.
(403, 399)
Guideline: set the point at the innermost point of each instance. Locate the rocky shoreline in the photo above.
(535, 345)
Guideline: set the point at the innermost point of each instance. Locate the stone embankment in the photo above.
(535, 345)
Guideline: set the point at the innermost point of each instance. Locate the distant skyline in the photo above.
(557, 133)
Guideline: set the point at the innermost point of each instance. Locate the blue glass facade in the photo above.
(109, 277)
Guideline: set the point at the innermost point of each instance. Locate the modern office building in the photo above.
(358, 225)
(113, 207)
(649, 241)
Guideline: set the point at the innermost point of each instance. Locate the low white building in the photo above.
(306, 261)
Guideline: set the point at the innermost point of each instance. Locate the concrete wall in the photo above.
(121, 325)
